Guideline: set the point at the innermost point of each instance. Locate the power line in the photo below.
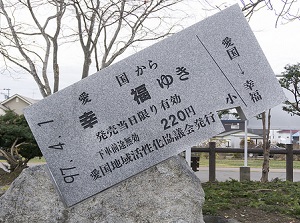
(6, 96)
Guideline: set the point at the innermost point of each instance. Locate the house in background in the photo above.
(234, 133)
(296, 138)
(16, 103)
(232, 139)
(2, 109)
(282, 136)
(283, 126)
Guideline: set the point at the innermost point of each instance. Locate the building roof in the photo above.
(239, 133)
(228, 133)
(29, 101)
(3, 107)
(288, 131)
(232, 121)
(296, 134)
(250, 135)
(16, 103)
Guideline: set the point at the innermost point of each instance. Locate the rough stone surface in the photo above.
(192, 66)
(168, 192)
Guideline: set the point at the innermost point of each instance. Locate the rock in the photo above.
(168, 192)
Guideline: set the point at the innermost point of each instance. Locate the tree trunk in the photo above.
(86, 65)
(14, 160)
(266, 147)
(8, 178)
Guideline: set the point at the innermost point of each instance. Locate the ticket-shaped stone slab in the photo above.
(152, 105)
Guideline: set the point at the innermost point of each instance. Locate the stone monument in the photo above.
(152, 105)
(119, 131)
(167, 192)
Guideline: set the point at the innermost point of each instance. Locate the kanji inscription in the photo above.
(152, 105)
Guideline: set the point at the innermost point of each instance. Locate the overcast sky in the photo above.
(281, 46)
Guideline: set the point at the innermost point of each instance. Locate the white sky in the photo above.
(281, 46)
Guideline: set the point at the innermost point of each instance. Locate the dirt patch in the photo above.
(251, 215)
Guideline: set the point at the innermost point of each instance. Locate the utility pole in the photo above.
(6, 96)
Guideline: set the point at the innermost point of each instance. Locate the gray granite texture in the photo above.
(167, 192)
(152, 105)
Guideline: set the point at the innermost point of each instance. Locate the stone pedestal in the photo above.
(244, 173)
(167, 192)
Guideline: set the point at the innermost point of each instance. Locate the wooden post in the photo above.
(195, 163)
(289, 162)
(212, 161)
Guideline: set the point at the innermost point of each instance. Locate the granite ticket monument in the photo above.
(152, 105)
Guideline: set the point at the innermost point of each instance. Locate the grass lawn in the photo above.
(254, 163)
(34, 160)
(38, 160)
(273, 198)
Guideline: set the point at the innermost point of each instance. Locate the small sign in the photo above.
(152, 105)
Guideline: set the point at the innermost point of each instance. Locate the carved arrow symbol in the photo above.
(242, 72)
(41, 123)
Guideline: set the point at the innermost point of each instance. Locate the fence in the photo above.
(212, 150)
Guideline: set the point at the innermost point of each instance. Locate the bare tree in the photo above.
(284, 10)
(104, 30)
(31, 44)
(17, 144)
(108, 28)
(266, 118)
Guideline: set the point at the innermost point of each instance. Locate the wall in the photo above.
(17, 105)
